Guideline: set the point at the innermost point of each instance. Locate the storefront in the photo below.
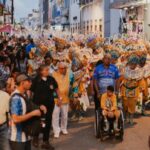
(135, 18)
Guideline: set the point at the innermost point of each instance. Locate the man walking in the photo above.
(62, 76)
(19, 140)
(106, 74)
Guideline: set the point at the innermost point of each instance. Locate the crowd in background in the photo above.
(63, 81)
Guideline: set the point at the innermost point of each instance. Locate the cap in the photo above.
(22, 77)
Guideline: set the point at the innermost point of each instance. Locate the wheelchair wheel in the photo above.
(98, 124)
(121, 127)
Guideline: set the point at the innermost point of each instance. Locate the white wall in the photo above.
(114, 21)
(91, 16)
(147, 22)
(74, 11)
(94, 14)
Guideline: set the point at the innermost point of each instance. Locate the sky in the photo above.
(24, 7)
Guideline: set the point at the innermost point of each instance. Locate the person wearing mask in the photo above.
(19, 139)
(44, 87)
(4, 109)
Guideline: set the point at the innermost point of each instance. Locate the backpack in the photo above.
(32, 126)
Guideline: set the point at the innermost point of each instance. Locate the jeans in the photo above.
(20, 145)
(4, 144)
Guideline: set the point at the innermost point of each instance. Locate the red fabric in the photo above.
(6, 28)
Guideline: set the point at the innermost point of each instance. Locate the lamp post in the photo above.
(12, 11)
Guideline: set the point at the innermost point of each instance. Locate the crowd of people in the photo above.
(43, 80)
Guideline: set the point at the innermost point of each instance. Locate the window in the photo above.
(95, 27)
(87, 28)
(100, 27)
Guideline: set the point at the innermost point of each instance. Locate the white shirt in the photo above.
(4, 106)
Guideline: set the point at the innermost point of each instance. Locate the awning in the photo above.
(6, 28)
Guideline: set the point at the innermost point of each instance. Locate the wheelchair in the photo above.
(99, 126)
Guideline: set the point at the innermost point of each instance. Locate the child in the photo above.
(109, 106)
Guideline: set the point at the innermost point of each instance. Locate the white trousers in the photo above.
(60, 118)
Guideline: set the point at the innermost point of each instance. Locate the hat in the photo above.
(142, 58)
(114, 54)
(22, 77)
(133, 59)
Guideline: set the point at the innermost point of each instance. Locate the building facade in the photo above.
(136, 18)
(93, 16)
(59, 14)
(32, 21)
(5, 11)
(44, 13)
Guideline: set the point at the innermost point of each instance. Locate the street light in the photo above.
(12, 11)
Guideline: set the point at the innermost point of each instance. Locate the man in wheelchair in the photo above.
(109, 107)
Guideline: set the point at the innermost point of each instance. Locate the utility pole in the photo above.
(12, 12)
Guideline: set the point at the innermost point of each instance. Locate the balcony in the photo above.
(120, 4)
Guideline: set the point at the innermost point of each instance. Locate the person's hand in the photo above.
(43, 109)
(59, 102)
(36, 113)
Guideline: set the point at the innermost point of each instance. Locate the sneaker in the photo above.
(56, 136)
(47, 145)
(65, 132)
(116, 126)
(81, 118)
(73, 117)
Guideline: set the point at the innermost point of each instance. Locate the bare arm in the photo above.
(23, 118)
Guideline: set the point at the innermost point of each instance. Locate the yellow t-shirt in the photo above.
(108, 102)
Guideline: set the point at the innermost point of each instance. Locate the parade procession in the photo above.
(71, 88)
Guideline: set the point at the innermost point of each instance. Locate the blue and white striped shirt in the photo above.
(17, 107)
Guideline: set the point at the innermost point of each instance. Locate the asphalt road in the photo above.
(81, 136)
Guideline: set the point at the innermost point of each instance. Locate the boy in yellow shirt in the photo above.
(109, 105)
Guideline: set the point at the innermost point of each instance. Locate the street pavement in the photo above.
(81, 136)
